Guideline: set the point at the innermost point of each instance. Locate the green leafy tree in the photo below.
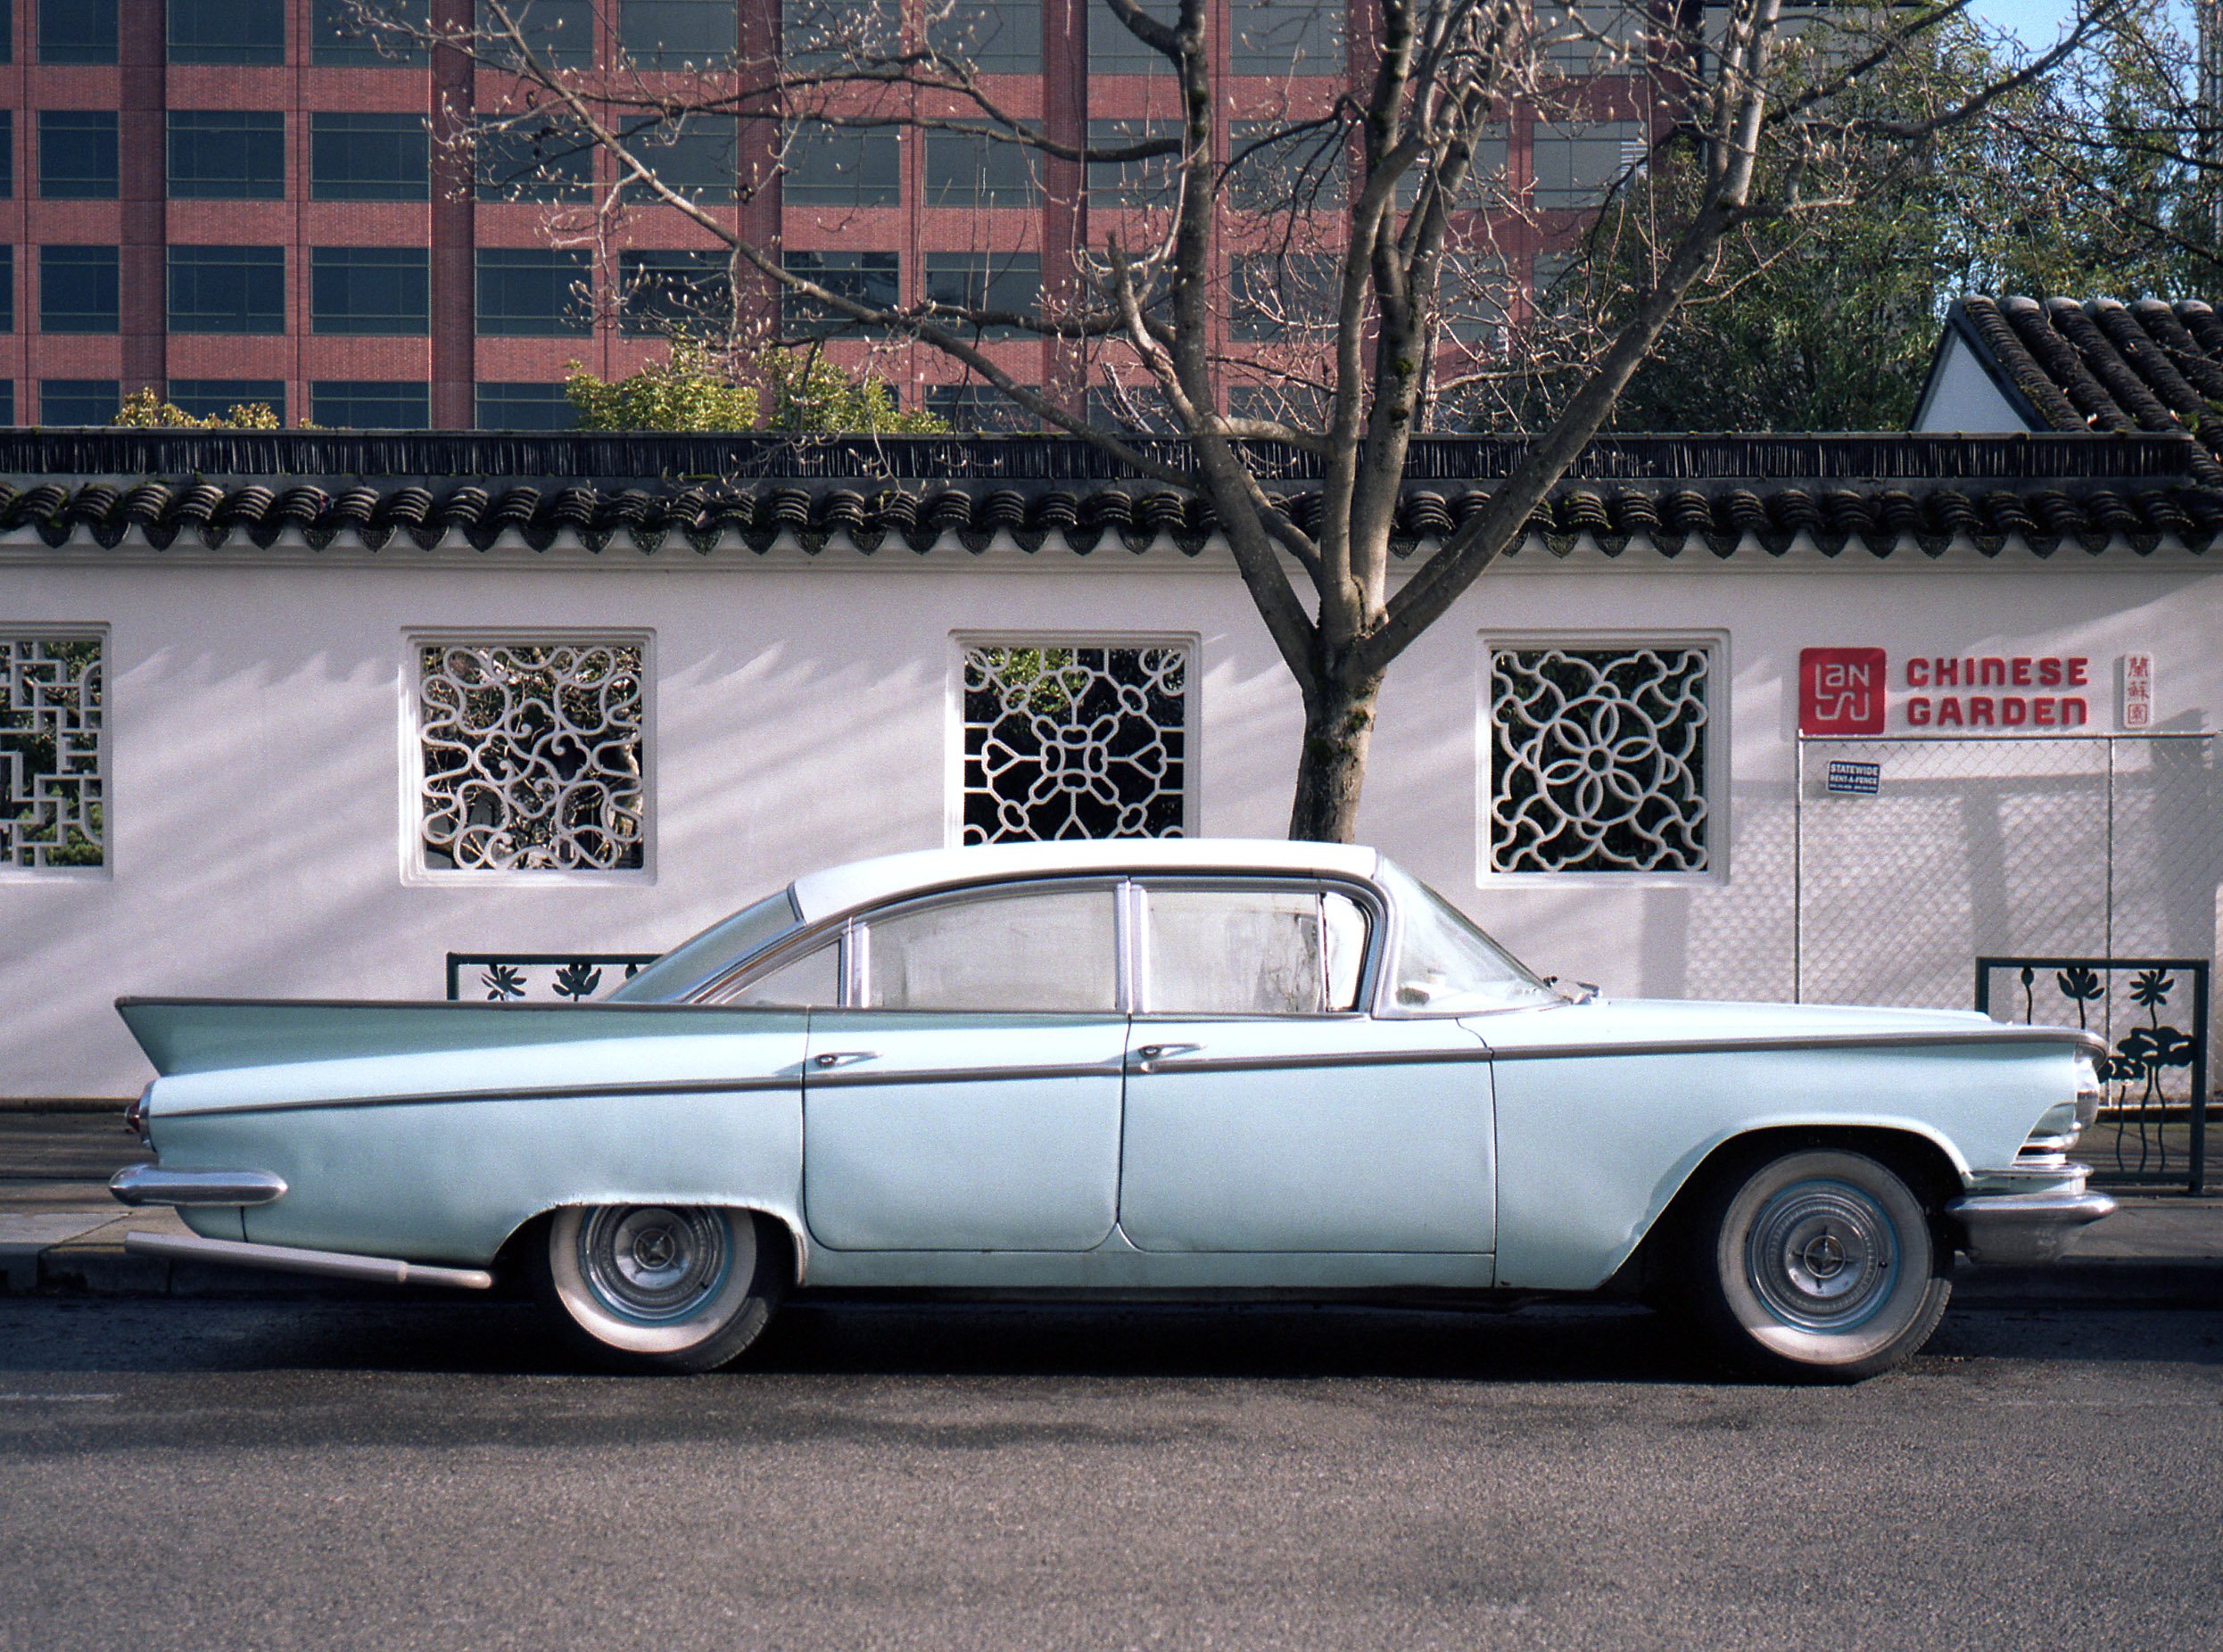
(696, 387)
(143, 410)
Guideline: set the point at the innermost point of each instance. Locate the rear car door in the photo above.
(1267, 1111)
(968, 1097)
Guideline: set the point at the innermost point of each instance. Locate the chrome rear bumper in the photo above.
(150, 1184)
(2027, 1228)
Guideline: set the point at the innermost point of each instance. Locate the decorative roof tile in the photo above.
(2102, 365)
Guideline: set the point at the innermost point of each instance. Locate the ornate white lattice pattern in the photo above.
(1075, 742)
(532, 755)
(1599, 759)
(50, 752)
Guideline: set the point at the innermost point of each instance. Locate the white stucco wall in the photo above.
(801, 713)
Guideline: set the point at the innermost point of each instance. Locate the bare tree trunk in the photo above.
(1339, 712)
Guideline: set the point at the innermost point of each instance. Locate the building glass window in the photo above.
(370, 290)
(540, 162)
(370, 158)
(77, 31)
(1147, 183)
(78, 401)
(215, 398)
(1474, 294)
(1067, 739)
(7, 400)
(51, 759)
(1275, 169)
(1598, 759)
(525, 407)
(78, 156)
(1114, 49)
(675, 292)
(965, 171)
(532, 755)
(7, 151)
(7, 315)
(817, 33)
(1277, 295)
(1486, 180)
(226, 154)
(990, 36)
(980, 410)
(341, 38)
(227, 32)
(218, 289)
(1134, 406)
(1593, 37)
(370, 404)
(1285, 37)
(7, 56)
(79, 291)
(1011, 282)
(559, 33)
(842, 166)
(676, 34)
(531, 292)
(698, 158)
(873, 279)
(1578, 165)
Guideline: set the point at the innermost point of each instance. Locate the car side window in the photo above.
(1252, 952)
(1051, 950)
(812, 982)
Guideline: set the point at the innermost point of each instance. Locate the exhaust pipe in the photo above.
(288, 1260)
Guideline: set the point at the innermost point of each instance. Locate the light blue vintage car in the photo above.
(1146, 1066)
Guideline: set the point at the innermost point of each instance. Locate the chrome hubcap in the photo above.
(1822, 1256)
(654, 1263)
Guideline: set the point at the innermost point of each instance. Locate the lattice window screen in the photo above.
(1599, 759)
(1075, 742)
(51, 708)
(532, 755)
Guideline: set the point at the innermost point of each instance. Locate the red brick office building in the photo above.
(235, 200)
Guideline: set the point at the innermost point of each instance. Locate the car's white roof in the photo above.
(868, 883)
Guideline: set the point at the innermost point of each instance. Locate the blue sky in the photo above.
(2037, 21)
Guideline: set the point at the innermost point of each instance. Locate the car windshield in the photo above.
(1444, 964)
(726, 942)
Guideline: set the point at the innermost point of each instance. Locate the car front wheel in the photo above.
(649, 1287)
(1818, 1266)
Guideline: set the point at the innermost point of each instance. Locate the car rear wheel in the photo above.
(650, 1288)
(1816, 1266)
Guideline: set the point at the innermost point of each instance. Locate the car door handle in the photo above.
(843, 1058)
(1149, 1052)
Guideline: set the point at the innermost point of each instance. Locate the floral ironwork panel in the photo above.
(504, 977)
(1599, 760)
(50, 753)
(532, 755)
(1075, 742)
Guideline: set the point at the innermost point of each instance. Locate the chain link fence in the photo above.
(1915, 859)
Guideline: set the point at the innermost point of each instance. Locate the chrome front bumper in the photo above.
(150, 1184)
(2035, 1227)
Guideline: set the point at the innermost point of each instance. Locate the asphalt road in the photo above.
(229, 1475)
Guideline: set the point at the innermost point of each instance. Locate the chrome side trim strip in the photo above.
(138, 1185)
(548, 1093)
(845, 1078)
(287, 1259)
(1138, 1063)
(1807, 1041)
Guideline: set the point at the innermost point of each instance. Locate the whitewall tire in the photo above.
(652, 1287)
(1816, 1266)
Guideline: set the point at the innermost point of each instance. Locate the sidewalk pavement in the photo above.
(62, 1234)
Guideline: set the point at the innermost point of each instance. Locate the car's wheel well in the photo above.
(1649, 1271)
(771, 1229)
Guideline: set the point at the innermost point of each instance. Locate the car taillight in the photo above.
(134, 1115)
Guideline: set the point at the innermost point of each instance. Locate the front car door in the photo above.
(1267, 1110)
(967, 1096)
